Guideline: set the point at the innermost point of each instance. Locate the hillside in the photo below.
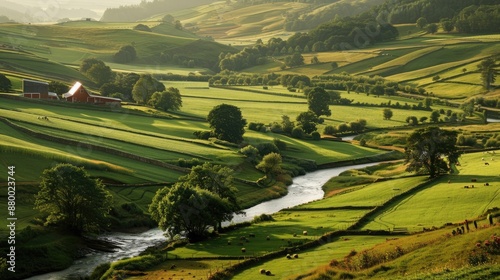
(145, 9)
(71, 42)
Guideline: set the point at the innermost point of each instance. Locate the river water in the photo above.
(304, 189)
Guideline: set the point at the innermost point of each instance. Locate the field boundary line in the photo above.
(92, 146)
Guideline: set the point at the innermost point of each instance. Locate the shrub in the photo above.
(315, 135)
(251, 153)
(255, 126)
(298, 132)
(263, 218)
(267, 148)
(276, 127)
(280, 144)
(204, 135)
(329, 130)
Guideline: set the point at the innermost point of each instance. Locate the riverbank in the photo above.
(305, 188)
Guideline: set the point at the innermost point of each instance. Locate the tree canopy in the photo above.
(126, 54)
(72, 199)
(270, 165)
(97, 71)
(189, 209)
(308, 121)
(318, 101)
(145, 87)
(427, 149)
(227, 123)
(488, 72)
(216, 179)
(5, 84)
(166, 100)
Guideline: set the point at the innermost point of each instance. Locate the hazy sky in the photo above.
(95, 5)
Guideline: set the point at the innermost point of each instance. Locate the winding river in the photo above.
(304, 189)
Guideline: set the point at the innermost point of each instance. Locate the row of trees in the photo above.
(473, 20)
(350, 33)
(143, 89)
(359, 84)
(408, 11)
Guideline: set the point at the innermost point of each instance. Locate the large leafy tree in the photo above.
(189, 209)
(227, 123)
(58, 87)
(145, 87)
(488, 73)
(271, 165)
(166, 100)
(72, 199)
(432, 150)
(5, 84)
(126, 54)
(97, 71)
(318, 101)
(216, 179)
(308, 121)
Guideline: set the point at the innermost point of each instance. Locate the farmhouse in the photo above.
(37, 90)
(79, 94)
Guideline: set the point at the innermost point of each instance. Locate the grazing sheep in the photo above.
(268, 238)
(262, 271)
(486, 163)
(288, 256)
(268, 272)
(229, 242)
(294, 235)
(295, 256)
(243, 250)
(304, 232)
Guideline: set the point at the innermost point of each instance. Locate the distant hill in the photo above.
(20, 12)
(408, 11)
(144, 10)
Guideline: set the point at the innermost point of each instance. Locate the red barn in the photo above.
(79, 94)
(37, 90)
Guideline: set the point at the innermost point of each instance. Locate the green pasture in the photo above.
(372, 194)
(25, 201)
(201, 90)
(145, 151)
(281, 234)
(451, 90)
(284, 268)
(188, 148)
(30, 66)
(405, 59)
(320, 151)
(348, 180)
(447, 199)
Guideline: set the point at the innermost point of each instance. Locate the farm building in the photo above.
(37, 90)
(79, 94)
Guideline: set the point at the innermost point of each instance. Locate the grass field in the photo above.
(318, 218)
(446, 200)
